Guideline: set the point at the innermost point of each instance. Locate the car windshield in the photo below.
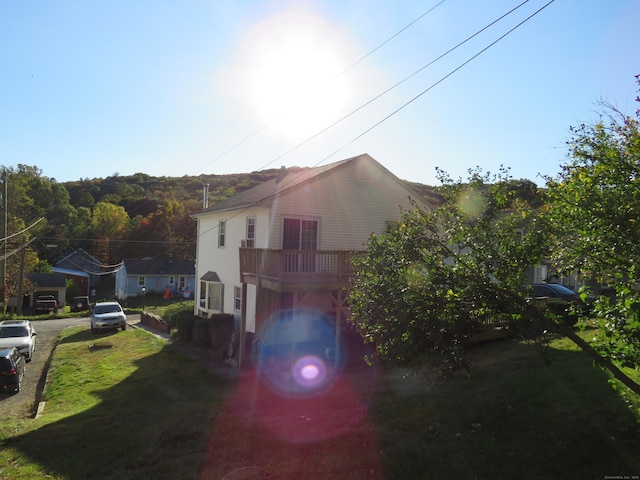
(562, 289)
(107, 309)
(12, 332)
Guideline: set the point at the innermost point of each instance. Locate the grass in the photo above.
(125, 406)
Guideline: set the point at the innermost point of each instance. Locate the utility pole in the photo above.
(5, 203)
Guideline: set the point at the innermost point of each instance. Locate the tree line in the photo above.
(429, 280)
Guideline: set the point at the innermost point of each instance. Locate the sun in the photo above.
(294, 74)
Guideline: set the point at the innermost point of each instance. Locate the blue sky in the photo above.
(94, 89)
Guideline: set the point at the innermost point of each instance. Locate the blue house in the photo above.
(147, 275)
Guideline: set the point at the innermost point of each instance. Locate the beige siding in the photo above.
(350, 204)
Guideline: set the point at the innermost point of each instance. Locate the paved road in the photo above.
(25, 403)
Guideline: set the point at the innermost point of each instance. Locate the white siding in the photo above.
(350, 204)
(225, 260)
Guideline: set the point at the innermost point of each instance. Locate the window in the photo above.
(214, 296)
(172, 280)
(141, 281)
(237, 298)
(182, 282)
(299, 234)
(251, 232)
(211, 298)
(222, 232)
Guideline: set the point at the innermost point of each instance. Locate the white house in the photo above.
(287, 242)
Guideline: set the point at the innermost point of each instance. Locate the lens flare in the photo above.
(309, 372)
(298, 352)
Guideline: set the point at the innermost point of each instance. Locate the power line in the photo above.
(281, 114)
(380, 95)
(436, 83)
(397, 110)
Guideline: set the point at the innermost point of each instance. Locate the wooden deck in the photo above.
(296, 270)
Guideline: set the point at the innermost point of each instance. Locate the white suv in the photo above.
(107, 315)
(19, 334)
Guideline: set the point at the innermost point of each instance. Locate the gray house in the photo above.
(147, 275)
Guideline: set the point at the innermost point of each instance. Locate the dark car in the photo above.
(80, 304)
(12, 369)
(46, 304)
(560, 300)
(555, 291)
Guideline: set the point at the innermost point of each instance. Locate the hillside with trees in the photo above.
(111, 218)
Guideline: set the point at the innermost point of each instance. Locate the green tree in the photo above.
(423, 285)
(109, 222)
(595, 205)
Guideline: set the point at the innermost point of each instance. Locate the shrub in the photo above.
(221, 328)
(185, 327)
(176, 311)
(200, 334)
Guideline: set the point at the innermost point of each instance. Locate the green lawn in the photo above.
(126, 406)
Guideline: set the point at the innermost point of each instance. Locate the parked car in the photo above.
(79, 304)
(19, 334)
(106, 315)
(12, 369)
(560, 300)
(46, 304)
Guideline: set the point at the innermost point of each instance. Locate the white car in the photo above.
(19, 334)
(108, 315)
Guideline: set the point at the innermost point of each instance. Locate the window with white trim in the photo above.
(251, 232)
(222, 233)
(237, 298)
(141, 281)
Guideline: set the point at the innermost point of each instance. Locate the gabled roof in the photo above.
(156, 266)
(80, 260)
(210, 277)
(266, 192)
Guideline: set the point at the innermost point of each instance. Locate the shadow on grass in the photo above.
(514, 417)
(153, 424)
(173, 419)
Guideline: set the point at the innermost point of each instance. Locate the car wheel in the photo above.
(124, 327)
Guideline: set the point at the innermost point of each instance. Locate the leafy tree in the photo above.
(424, 284)
(109, 222)
(595, 204)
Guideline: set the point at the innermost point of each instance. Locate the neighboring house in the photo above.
(287, 242)
(155, 275)
(81, 267)
(48, 284)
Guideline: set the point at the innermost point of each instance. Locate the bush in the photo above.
(185, 327)
(221, 328)
(177, 311)
(200, 335)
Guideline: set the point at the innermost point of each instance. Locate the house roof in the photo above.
(80, 260)
(47, 280)
(210, 277)
(264, 193)
(157, 266)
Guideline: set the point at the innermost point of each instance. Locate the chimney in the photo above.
(205, 195)
(283, 173)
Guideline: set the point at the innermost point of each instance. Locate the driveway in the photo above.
(25, 403)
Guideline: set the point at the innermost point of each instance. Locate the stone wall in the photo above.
(155, 322)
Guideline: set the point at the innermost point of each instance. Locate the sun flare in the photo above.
(294, 76)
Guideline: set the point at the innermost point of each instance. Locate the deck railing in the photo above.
(297, 266)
